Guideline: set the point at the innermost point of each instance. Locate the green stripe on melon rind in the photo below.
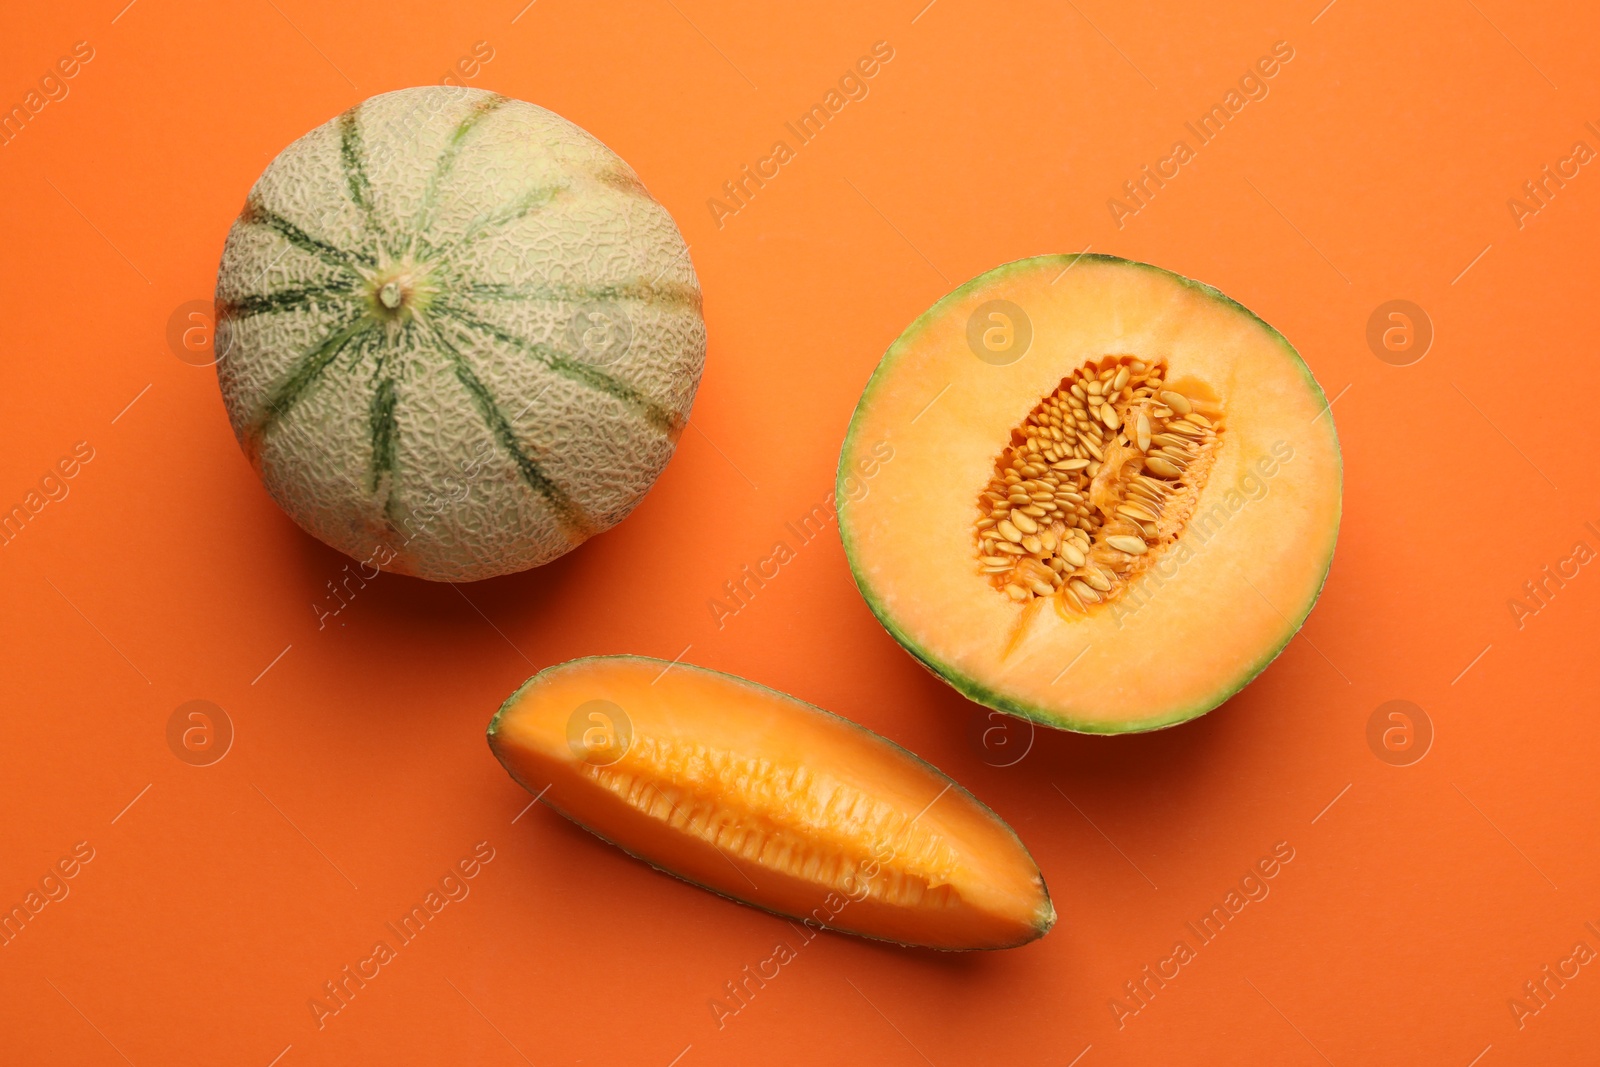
(623, 179)
(295, 299)
(447, 159)
(658, 296)
(293, 386)
(381, 420)
(353, 161)
(1042, 927)
(352, 157)
(970, 687)
(577, 524)
(257, 214)
(485, 224)
(668, 422)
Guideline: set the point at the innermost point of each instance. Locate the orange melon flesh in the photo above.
(770, 801)
(1184, 635)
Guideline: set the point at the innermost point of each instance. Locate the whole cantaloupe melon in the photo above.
(455, 334)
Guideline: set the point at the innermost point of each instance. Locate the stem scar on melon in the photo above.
(770, 801)
(394, 307)
(1114, 531)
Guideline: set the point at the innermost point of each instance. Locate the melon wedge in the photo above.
(1113, 498)
(770, 801)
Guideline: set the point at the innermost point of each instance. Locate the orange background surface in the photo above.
(220, 898)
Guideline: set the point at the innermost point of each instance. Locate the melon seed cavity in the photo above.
(1098, 481)
(787, 818)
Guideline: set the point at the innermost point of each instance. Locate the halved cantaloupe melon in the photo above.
(770, 801)
(1114, 496)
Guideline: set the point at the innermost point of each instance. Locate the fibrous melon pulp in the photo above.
(1114, 498)
(455, 335)
(770, 801)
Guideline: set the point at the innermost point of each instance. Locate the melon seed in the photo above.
(1135, 511)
